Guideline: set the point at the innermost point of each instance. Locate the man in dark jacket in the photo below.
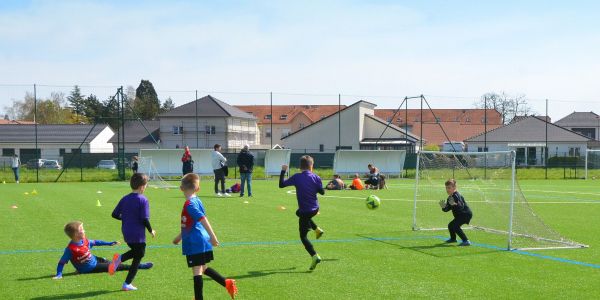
(245, 162)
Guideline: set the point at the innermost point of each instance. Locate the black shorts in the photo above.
(199, 259)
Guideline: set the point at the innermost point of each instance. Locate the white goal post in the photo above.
(488, 182)
(592, 163)
(389, 162)
(168, 161)
(274, 158)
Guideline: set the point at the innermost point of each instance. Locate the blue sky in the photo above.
(307, 52)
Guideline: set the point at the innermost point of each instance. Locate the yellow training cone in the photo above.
(26, 193)
(34, 192)
(98, 203)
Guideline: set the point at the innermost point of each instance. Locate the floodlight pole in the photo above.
(196, 101)
(339, 121)
(271, 119)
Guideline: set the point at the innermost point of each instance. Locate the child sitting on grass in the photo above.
(78, 251)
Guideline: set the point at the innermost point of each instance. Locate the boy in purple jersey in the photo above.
(78, 251)
(198, 238)
(307, 186)
(134, 212)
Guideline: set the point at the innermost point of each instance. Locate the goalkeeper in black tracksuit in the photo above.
(461, 211)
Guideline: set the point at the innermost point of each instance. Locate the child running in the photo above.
(198, 238)
(134, 212)
(461, 211)
(78, 251)
(307, 186)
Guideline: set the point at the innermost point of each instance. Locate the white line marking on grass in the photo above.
(473, 201)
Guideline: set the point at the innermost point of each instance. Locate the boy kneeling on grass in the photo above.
(78, 251)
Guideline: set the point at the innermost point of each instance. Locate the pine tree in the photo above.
(146, 103)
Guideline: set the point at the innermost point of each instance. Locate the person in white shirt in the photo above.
(15, 163)
(218, 162)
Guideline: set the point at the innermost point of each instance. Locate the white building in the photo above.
(358, 129)
(53, 141)
(527, 136)
(205, 122)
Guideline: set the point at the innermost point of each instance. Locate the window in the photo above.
(483, 120)
(76, 151)
(468, 120)
(177, 129)
(285, 132)
(283, 117)
(481, 149)
(438, 119)
(268, 133)
(267, 117)
(8, 152)
(321, 148)
(389, 119)
(301, 125)
(323, 117)
(210, 129)
(399, 120)
(573, 151)
(61, 151)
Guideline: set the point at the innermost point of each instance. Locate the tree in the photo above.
(167, 105)
(146, 103)
(93, 109)
(76, 100)
(507, 105)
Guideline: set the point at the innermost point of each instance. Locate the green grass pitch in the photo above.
(368, 254)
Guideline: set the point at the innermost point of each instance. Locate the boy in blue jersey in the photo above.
(461, 211)
(134, 212)
(307, 186)
(78, 251)
(198, 238)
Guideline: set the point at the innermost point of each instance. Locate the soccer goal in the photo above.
(168, 161)
(389, 162)
(592, 164)
(488, 182)
(146, 166)
(274, 159)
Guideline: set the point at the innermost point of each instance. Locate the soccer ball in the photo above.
(373, 202)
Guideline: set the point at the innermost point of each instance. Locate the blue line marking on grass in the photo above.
(537, 255)
(353, 240)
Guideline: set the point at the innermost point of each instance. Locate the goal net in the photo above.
(274, 159)
(592, 164)
(389, 162)
(147, 166)
(487, 180)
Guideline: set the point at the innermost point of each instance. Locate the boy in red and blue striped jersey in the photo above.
(78, 251)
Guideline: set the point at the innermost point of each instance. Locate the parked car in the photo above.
(51, 164)
(35, 163)
(106, 164)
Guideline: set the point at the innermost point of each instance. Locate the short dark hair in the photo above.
(370, 165)
(216, 146)
(306, 161)
(190, 181)
(138, 180)
(451, 182)
(72, 227)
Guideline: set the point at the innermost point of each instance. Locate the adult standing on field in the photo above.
(188, 163)
(245, 162)
(219, 162)
(15, 162)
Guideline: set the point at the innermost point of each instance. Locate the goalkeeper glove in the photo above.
(451, 201)
(442, 203)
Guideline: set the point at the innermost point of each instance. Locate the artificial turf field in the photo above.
(367, 254)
